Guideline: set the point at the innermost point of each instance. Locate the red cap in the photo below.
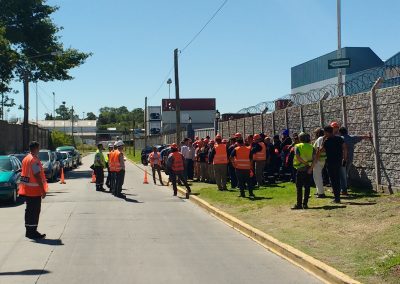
(334, 124)
(238, 135)
(256, 136)
(173, 145)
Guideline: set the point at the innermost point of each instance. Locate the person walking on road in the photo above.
(302, 162)
(99, 165)
(219, 156)
(155, 163)
(336, 157)
(242, 160)
(120, 177)
(33, 186)
(176, 167)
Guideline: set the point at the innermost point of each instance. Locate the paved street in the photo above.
(150, 237)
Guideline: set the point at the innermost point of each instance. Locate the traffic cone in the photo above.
(145, 181)
(62, 177)
(93, 177)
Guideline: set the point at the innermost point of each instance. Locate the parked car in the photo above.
(66, 159)
(51, 166)
(10, 175)
(76, 156)
(20, 156)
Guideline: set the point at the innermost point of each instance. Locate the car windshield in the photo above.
(5, 165)
(71, 153)
(64, 155)
(44, 156)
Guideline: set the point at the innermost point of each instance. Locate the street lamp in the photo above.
(169, 82)
(217, 118)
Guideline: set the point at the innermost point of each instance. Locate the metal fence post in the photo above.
(273, 123)
(375, 133)
(321, 114)
(344, 111)
(301, 118)
(262, 123)
(286, 118)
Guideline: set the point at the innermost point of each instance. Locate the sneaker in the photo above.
(252, 197)
(305, 206)
(296, 207)
(242, 195)
(336, 201)
(36, 236)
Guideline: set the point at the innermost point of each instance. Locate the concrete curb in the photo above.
(315, 267)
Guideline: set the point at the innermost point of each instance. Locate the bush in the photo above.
(59, 138)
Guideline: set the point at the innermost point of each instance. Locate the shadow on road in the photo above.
(127, 199)
(25, 272)
(50, 242)
(5, 204)
(79, 175)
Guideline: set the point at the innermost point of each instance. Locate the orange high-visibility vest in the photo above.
(242, 158)
(29, 185)
(220, 157)
(115, 165)
(177, 165)
(151, 158)
(261, 155)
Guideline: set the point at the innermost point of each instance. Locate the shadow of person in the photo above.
(257, 198)
(360, 203)
(25, 272)
(127, 199)
(328, 207)
(50, 242)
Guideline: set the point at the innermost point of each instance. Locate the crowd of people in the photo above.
(257, 160)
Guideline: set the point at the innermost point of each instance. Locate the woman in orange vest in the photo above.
(155, 163)
(34, 187)
(242, 160)
(176, 167)
(219, 157)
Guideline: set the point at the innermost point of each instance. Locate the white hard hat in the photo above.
(119, 143)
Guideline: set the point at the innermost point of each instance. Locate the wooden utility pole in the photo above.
(25, 127)
(145, 121)
(177, 101)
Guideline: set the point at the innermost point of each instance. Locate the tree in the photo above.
(48, 116)
(90, 116)
(6, 101)
(120, 118)
(33, 42)
(7, 62)
(63, 113)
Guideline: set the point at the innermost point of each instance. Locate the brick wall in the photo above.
(359, 122)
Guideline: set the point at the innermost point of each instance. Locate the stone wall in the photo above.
(356, 109)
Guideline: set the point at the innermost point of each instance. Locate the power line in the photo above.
(206, 24)
(187, 45)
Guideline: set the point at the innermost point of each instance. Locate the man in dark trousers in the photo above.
(176, 168)
(242, 159)
(336, 158)
(99, 165)
(231, 168)
(34, 187)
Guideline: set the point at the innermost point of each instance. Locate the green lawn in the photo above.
(359, 237)
(133, 155)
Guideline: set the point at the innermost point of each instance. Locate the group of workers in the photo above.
(114, 162)
(252, 161)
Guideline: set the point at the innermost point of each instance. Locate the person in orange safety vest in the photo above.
(259, 151)
(176, 167)
(219, 156)
(242, 161)
(33, 186)
(155, 163)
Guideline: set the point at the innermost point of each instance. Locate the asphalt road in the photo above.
(151, 237)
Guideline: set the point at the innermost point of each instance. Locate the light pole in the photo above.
(217, 118)
(169, 82)
(54, 111)
(339, 51)
(64, 118)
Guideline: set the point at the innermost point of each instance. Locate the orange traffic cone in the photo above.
(62, 176)
(93, 177)
(145, 181)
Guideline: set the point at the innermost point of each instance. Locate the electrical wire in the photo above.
(206, 24)
(188, 44)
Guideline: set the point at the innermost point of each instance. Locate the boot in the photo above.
(175, 192)
(29, 232)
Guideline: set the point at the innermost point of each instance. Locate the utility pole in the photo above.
(37, 106)
(25, 127)
(145, 121)
(54, 111)
(72, 125)
(177, 101)
(339, 51)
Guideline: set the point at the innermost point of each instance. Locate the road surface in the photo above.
(151, 237)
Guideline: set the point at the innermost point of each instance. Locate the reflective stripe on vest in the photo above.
(220, 157)
(261, 155)
(306, 153)
(177, 165)
(29, 185)
(242, 158)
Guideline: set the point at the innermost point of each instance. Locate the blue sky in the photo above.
(242, 58)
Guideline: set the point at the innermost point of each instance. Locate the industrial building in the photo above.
(200, 113)
(153, 120)
(86, 129)
(315, 74)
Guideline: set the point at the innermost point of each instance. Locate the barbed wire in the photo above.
(359, 82)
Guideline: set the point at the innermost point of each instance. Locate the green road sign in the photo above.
(339, 63)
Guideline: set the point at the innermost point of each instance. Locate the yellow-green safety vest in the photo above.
(306, 153)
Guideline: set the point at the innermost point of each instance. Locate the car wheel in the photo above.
(14, 198)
